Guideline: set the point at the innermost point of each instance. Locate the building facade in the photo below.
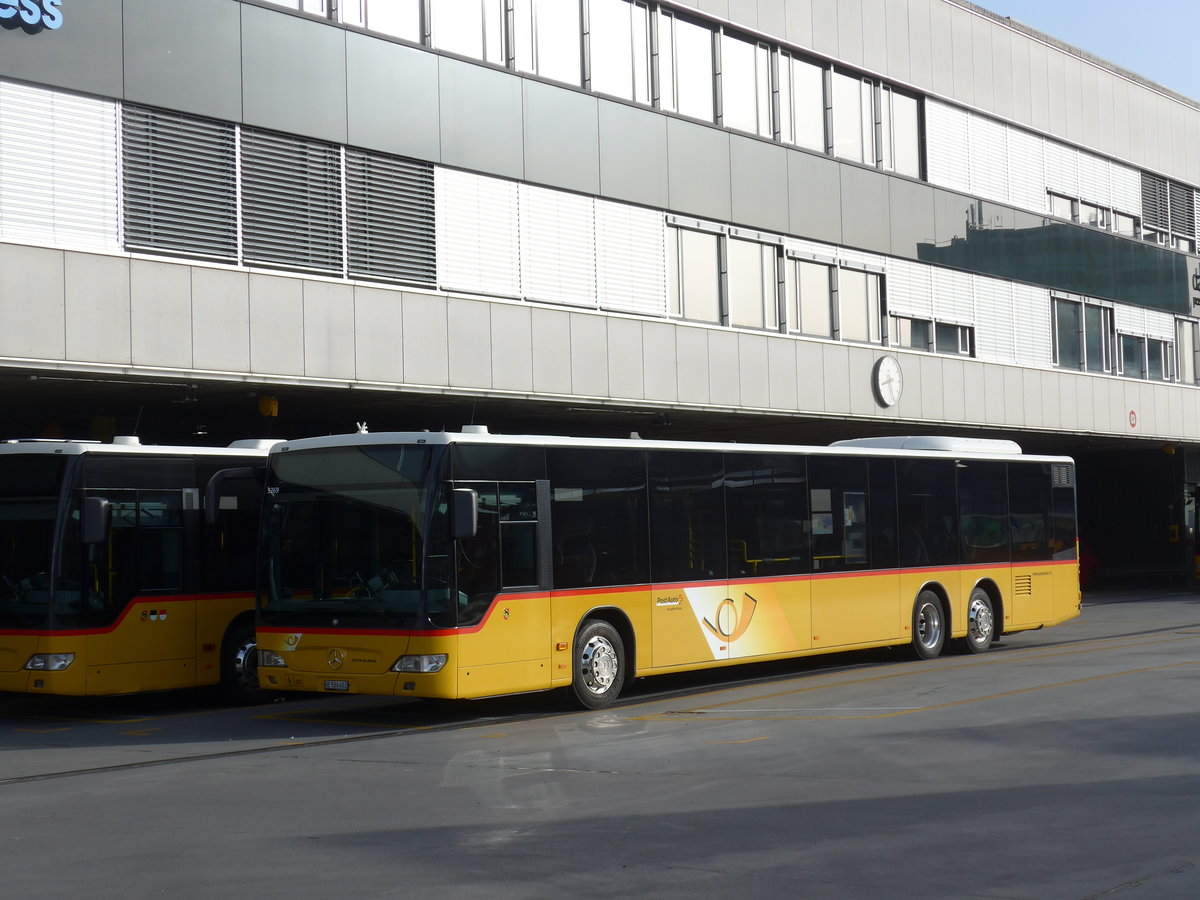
(793, 219)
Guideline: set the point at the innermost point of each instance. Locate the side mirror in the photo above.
(464, 513)
(93, 520)
(212, 491)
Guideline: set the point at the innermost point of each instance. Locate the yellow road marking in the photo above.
(41, 730)
(745, 741)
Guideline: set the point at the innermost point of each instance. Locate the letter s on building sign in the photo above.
(31, 16)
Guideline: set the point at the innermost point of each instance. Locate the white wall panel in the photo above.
(1127, 189)
(946, 146)
(558, 246)
(1027, 170)
(631, 269)
(994, 337)
(1160, 325)
(1062, 169)
(1031, 316)
(909, 288)
(58, 168)
(478, 233)
(953, 297)
(1130, 319)
(1095, 179)
(988, 156)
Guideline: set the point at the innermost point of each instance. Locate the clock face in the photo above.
(889, 381)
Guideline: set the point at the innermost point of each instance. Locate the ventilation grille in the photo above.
(1062, 475)
(1155, 201)
(291, 202)
(1023, 585)
(390, 219)
(1183, 210)
(179, 183)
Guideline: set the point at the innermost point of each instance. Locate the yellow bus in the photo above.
(127, 568)
(472, 565)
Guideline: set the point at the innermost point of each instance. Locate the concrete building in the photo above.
(791, 220)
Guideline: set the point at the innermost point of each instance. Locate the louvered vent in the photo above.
(1183, 210)
(1023, 585)
(390, 222)
(1155, 201)
(1062, 475)
(180, 183)
(291, 202)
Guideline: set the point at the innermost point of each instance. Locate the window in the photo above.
(915, 334)
(956, 339)
(983, 511)
(1133, 359)
(1093, 216)
(620, 49)
(766, 515)
(753, 299)
(687, 516)
(1158, 360)
(853, 118)
(801, 103)
(838, 504)
(928, 514)
(810, 298)
(694, 282)
(546, 39)
(473, 28)
(1062, 207)
(746, 85)
(1168, 213)
(901, 133)
(686, 71)
(1083, 336)
(1185, 343)
(399, 18)
(859, 306)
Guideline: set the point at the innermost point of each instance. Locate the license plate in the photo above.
(337, 685)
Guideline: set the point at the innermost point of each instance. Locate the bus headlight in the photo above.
(270, 658)
(50, 662)
(429, 662)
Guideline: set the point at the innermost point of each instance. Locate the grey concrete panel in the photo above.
(1033, 391)
(723, 367)
(383, 111)
(481, 118)
(1160, 397)
(746, 12)
(866, 217)
(1106, 135)
(1102, 405)
(759, 177)
(698, 170)
(379, 335)
(1068, 402)
(825, 27)
(633, 154)
(96, 292)
(220, 319)
(1014, 396)
(469, 336)
(714, 7)
(1039, 92)
(1056, 91)
(276, 325)
(589, 355)
(1085, 403)
(993, 394)
(512, 334)
(1192, 139)
(781, 371)
(835, 360)
(1073, 93)
(850, 27)
(84, 54)
(954, 389)
(799, 22)
(626, 358)
(660, 372)
(1180, 120)
(772, 17)
(920, 42)
(185, 56)
(328, 330)
(562, 138)
(873, 14)
(815, 197)
(1022, 99)
(974, 399)
(860, 363)
(293, 74)
(1129, 137)
(1089, 90)
(426, 340)
(981, 66)
(754, 371)
(941, 47)
(913, 400)
(896, 21)
(692, 360)
(1002, 71)
(911, 216)
(160, 314)
(810, 376)
(551, 329)
(962, 37)
(930, 380)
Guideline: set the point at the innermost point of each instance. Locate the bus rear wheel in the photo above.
(599, 663)
(928, 625)
(239, 665)
(981, 622)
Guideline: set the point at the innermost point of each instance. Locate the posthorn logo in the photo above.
(31, 16)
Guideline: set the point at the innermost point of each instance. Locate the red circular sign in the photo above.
(1133, 418)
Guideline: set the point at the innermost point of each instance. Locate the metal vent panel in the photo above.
(558, 246)
(391, 228)
(631, 268)
(1155, 201)
(478, 233)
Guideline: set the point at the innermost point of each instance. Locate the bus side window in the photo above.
(477, 559)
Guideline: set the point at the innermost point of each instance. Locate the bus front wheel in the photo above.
(239, 665)
(599, 661)
(928, 625)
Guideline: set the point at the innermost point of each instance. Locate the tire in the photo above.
(981, 622)
(928, 625)
(239, 665)
(599, 665)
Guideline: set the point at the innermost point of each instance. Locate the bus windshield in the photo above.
(352, 539)
(30, 486)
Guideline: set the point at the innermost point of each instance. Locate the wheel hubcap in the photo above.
(245, 665)
(599, 665)
(929, 625)
(979, 622)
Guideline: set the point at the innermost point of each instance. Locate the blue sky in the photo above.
(1154, 39)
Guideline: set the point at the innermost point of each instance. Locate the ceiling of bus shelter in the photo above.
(57, 404)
